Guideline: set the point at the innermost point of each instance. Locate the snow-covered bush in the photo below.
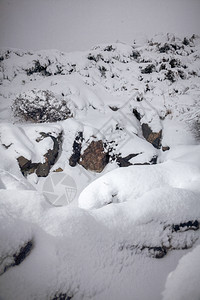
(40, 106)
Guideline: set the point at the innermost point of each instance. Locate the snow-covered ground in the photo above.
(122, 230)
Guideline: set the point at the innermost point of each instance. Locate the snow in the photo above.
(183, 282)
(130, 183)
(104, 244)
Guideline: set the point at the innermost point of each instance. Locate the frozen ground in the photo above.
(125, 229)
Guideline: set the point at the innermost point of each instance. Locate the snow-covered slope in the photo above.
(118, 125)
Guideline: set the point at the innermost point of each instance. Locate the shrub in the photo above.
(40, 106)
(170, 76)
(148, 69)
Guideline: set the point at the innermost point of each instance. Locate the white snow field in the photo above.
(131, 229)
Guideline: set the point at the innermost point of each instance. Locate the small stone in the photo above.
(58, 170)
(165, 148)
(114, 108)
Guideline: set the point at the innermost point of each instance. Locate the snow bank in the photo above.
(131, 183)
(183, 282)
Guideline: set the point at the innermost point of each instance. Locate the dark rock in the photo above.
(43, 169)
(26, 166)
(23, 253)
(165, 148)
(52, 154)
(152, 137)
(153, 161)
(24, 163)
(77, 145)
(190, 225)
(31, 169)
(146, 130)
(94, 157)
(19, 256)
(114, 108)
(137, 114)
(124, 161)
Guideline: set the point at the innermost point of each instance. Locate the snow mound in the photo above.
(183, 282)
(133, 182)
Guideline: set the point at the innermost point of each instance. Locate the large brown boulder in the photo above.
(94, 158)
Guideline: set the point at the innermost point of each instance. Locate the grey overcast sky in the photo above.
(73, 25)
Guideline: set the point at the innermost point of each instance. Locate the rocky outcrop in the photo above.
(152, 137)
(41, 169)
(76, 152)
(94, 158)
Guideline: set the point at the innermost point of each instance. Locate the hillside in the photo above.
(100, 171)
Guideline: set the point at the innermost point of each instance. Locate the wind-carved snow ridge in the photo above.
(120, 122)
